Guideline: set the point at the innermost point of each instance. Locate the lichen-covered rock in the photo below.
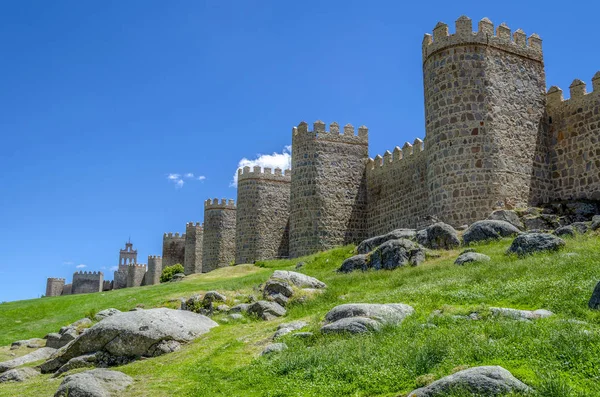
(214, 296)
(101, 315)
(594, 302)
(438, 236)
(595, 222)
(565, 231)
(34, 343)
(364, 317)
(370, 244)
(508, 216)
(94, 383)
(297, 279)
(357, 262)
(529, 243)
(274, 348)
(489, 230)
(136, 334)
(468, 257)
(36, 355)
(239, 308)
(274, 287)
(542, 222)
(266, 310)
(481, 381)
(18, 374)
(286, 328)
(396, 253)
(521, 314)
(85, 361)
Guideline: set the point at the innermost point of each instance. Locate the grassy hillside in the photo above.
(558, 356)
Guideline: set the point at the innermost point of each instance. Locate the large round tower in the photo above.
(484, 112)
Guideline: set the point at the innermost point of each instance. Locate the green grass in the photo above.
(556, 356)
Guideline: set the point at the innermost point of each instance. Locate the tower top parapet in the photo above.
(171, 235)
(397, 157)
(267, 174)
(517, 43)
(334, 134)
(577, 92)
(224, 204)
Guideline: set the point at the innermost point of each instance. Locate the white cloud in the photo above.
(189, 175)
(178, 179)
(81, 266)
(174, 177)
(281, 160)
(68, 263)
(201, 178)
(179, 184)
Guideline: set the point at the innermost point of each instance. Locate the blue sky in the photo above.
(103, 101)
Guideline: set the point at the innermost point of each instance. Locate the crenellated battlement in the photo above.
(154, 257)
(224, 204)
(194, 224)
(334, 134)
(517, 43)
(268, 174)
(397, 157)
(577, 93)
(90, 273)
(138, 265)
(56, 279)
(174, 235)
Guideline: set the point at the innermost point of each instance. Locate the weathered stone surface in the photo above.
(297, 279)
(595, 222)
(94, 383)
(36, 355)
(85, 361)
(178, 277)
(214, 296)
(266, 310)
(222, 308)
(235, 316)
(580, 227)
(565, 231)
(438, 236)
(469, 257)
(34, 343)
(535, 242)
(239, 308)
(274, 287)
(489, 230)
(594, 302)
(370, 244)
(83, 323)
(286, 328)
(136, 334)
(101, 315)
(507, 216)
(396, 253)
(274, 348)
(484, 381)
(218, 245)
(357, 262)
(542, 222)
(18, 374)
(364, 317)
(521, 314)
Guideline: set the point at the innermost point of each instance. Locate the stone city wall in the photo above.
(154, 270)
(574, 127)
(328, 203)
(263, 211)
(218, 247)
(54, 286)
(193, 248)
(173, 251)
(87, 282)
(120, 277)
(135, 275)
(397, 189)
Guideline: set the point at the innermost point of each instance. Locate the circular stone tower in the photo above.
(484, 112)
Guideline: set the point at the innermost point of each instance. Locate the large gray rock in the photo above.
(266, 310)
(101, 315)
(594, 302)
(396, 253)
(33, 343)
(18, 374)
(481, 381)
(297, 279)
(357, 262)
(595, 222)
(572, 229)
(214, 296)
(274, 348)
(469, 257)
(520, 314)
(489, 230)
(138, 333)
(364, 317)
(370, 244)
(87, 361)
(542, 222)
(507, 216)
(275, 287)
(438, 236)
(36, 355)
(239, 308)
(94, 383)
(535, 242)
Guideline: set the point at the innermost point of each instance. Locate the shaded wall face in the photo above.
(193, 250)
(328, 204)
(173, 251)
(87, 283)
(575, 147)
(120, 277)
(54, 287)
(219, 238)
(135, 276)
(483, 110)
(154, 271)
(397, 193)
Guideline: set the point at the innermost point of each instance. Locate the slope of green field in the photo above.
(558, 356)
